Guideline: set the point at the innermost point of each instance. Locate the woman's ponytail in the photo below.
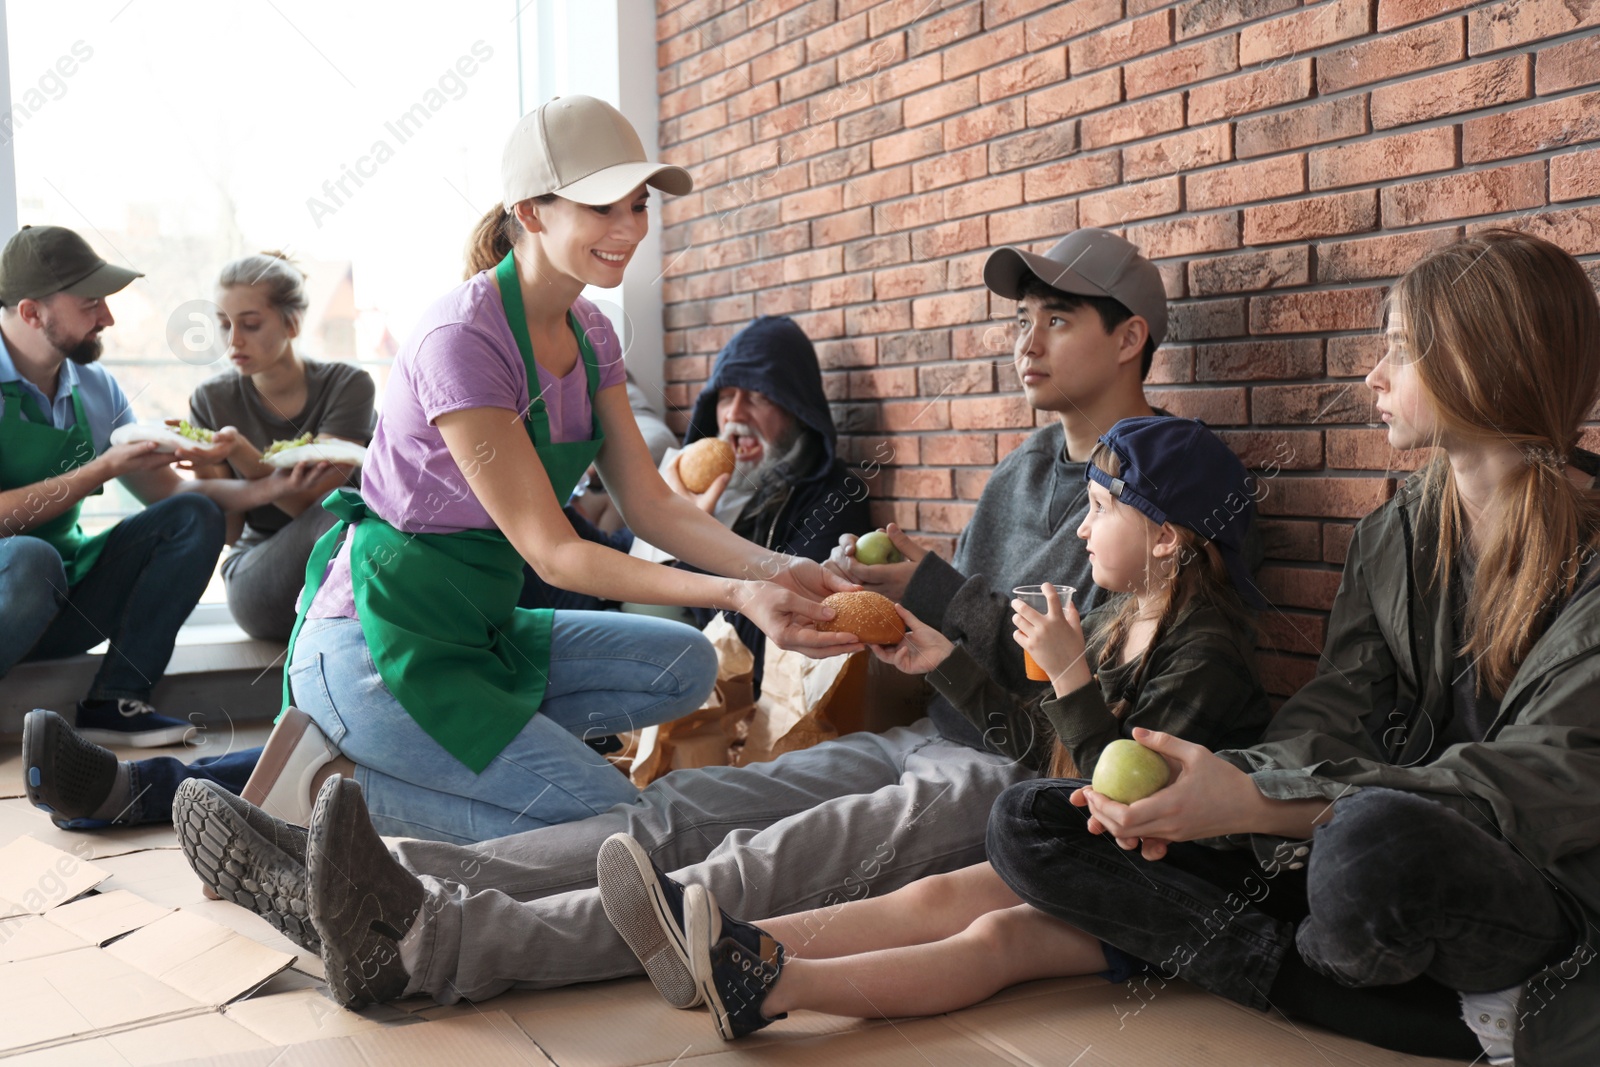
(490, 240)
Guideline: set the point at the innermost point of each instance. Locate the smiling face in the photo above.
(759, 430)
(592, 244)
(72, 325)
(255, 333)
(1120, 542)
(1403, 404)
(1067, 359)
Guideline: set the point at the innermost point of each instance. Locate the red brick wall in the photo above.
(855, 159)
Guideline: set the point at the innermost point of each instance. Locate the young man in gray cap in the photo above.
(63, 591)
(863, 814)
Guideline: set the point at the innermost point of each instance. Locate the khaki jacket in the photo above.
(1367, 719)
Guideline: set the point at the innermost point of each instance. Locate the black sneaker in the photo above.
(245, 856)
(362, 901)
(130, 722)
(734, 962)
(646, 907)
(65, 774)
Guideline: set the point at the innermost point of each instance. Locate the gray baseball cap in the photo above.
(40, 261)
(1088, 262)
(582, 149)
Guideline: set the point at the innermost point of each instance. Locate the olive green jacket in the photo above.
(1368, 719)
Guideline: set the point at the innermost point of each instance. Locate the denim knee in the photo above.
(33, 585)
(194, 521)
(1023, 816)
(696, 669)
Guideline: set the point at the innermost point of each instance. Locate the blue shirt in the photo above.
(104, 404)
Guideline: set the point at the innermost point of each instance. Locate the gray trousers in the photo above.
(867, 813)
(264, 580)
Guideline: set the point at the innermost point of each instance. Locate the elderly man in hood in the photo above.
(789, 490)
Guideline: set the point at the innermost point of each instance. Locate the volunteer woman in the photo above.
(463, 714)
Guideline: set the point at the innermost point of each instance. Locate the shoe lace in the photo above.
(129, 708)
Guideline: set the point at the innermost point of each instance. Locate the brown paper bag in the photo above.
(702, 738)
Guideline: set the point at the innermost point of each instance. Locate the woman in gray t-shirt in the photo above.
(275, 394)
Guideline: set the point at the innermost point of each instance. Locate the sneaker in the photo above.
(734, 962)
(130, 722)
(64, 774)
(281, 783)
(646, 907)
(1493, 1018)
(245, 856)
(362, 901)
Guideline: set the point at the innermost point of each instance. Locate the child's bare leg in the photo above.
(929, 909)
(999, 949)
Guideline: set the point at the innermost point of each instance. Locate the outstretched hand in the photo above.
(887, 579)
(920, 651)
(790, 621)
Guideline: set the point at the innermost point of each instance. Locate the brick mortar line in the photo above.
(1531, 48)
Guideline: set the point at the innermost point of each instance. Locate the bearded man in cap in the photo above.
(63, 591)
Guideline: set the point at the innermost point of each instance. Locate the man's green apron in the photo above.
(439, 611)
(32, 450)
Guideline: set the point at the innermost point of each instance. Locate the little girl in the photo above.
(1169, 510)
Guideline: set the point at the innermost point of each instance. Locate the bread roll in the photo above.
(704, 462)
(870, 616)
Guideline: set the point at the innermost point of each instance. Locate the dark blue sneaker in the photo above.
(646, 907)
(65, 775)
(129, 722)
(735, 964)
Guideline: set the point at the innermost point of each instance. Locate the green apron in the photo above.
(32, 450)
(439, 611)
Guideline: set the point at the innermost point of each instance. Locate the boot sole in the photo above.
(240, 866)
(637, 907)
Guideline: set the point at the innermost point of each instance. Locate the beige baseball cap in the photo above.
(1089, 262)
(582, 149)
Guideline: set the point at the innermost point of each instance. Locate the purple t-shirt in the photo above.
(461, 356)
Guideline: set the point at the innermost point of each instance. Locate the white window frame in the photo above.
(614, 44)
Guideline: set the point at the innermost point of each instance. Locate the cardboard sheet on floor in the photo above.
(85, 923)
(307, 1014)
(207, 1035)
(18, 817)
(484, 1037)
(176, 966)
(35, 877)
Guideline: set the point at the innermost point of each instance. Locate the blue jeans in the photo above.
(1400, 902)
(155, 781)
(608, 673)
(148, 579)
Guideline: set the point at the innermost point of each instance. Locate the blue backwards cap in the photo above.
(1175, 470)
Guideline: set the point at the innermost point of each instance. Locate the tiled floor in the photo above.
(288, 1020)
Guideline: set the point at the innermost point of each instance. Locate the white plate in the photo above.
(344, 453)
(166, 438)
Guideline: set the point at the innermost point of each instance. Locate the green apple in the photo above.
(1128, 771)
(875, 548)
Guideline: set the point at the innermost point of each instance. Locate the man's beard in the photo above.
(87, 349)
(772, 452)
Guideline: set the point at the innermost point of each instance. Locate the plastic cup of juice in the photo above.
(1033, 596)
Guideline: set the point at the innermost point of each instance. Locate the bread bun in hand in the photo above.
(870, 616)
(704, 462)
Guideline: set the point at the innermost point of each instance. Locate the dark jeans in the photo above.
(148, 579)
(1397, 892)
(155, 781)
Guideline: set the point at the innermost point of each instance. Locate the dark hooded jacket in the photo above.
(808, 509)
